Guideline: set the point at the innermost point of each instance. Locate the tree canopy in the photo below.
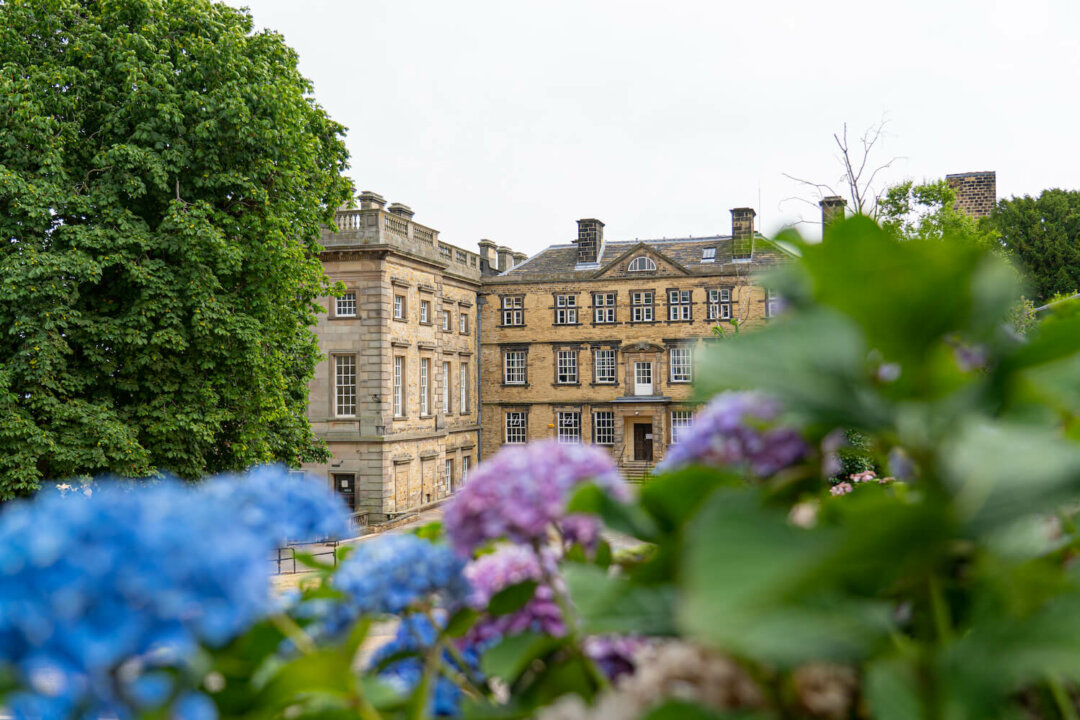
(164, 174)
(927, 211)
(1043, 234)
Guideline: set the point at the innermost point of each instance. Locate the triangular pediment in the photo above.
(620, 265)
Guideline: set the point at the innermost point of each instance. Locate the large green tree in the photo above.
(927, 211)
(164, 174)
(1043, 234)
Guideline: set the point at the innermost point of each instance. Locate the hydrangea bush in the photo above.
(760, 573)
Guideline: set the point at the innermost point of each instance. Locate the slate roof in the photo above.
(561, 260)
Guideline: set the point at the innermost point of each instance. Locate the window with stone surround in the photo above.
(466, 461)
(399, 386)
(681, 422)
(604, 362)
(516, 424)
(345, 306)
(773, 302)
(720, 304)
(449, 472)
(566, 367)
(425, 311)
(708, 255)
(344, 385)
(514, 367)
(603, 427)
(641, 306)
(679, 307)
(569, 427)
(604, 308)
(399, 307)
(446, 380)
(641, 264)
(463, 400)
(681, 363)
(446, 320)
(463, 323)
(513, 312)
(425, 386)
(566, 310)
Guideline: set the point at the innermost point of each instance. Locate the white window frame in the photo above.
(399, 307)
(515, 427)
(463, 323)
(425, 386)
(772, 302)
(448, 467)
(446, 386)
(345, 306)
(604, 359)
(679, 307)
(643, 370)
(446, 320)
(566, 367)
(720, 304)
(708, 255)
(514, 367)
(568, 427)
(399, 386)
(641, 264)
(466, 461)
(513, 310)
(681, 362)
(566, 310)
(603, 427)
(604, 308)
(345, 385)
(641, 306)
(681, 421)
(425, 311)
(463, 399)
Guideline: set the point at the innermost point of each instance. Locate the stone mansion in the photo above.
(436, 356)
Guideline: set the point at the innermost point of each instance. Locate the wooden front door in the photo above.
(643, 441)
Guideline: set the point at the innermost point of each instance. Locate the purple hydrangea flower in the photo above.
(614, 653)
(512, 565)
(520, 491)
(731, 431)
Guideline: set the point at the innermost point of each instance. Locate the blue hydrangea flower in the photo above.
(415, 634)
(99, 592)
(733, 431)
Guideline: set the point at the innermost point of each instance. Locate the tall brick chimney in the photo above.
(742, 233)
(832, 208)
(976, 192)
(590, 239)
(371, 201)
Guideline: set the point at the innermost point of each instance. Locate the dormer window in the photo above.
(641, 264)
(708, 255)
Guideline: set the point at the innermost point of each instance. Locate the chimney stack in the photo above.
(371, 201)
(487, 254)
(976, 192)
(832, 208)
(590, 240)
(742, 233)
(505, 255)
(401, 210)
(519, 257)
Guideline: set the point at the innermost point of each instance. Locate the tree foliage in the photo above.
(163, 177)
(1044, 235)
(927, 211)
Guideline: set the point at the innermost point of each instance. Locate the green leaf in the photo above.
(624, 518)
(431, 531)
(514, 654)
(460, 622)
(512, 599)
(609, 604)
(892, 689)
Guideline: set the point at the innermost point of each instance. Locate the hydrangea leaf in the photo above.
(514, 654)
(512, 599)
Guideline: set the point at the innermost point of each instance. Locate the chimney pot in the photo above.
(505, 261)
(487, 254)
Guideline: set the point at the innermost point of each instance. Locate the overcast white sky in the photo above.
(510, 120)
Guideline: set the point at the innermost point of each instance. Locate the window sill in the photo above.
(400, 320)
(516, 385)
(604, 384)
(342, 317)
(566, 384)
(511, 326)
(424, 322)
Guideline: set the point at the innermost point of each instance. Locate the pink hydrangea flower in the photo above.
(841, 488)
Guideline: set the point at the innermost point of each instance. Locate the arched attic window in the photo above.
(641, 263)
